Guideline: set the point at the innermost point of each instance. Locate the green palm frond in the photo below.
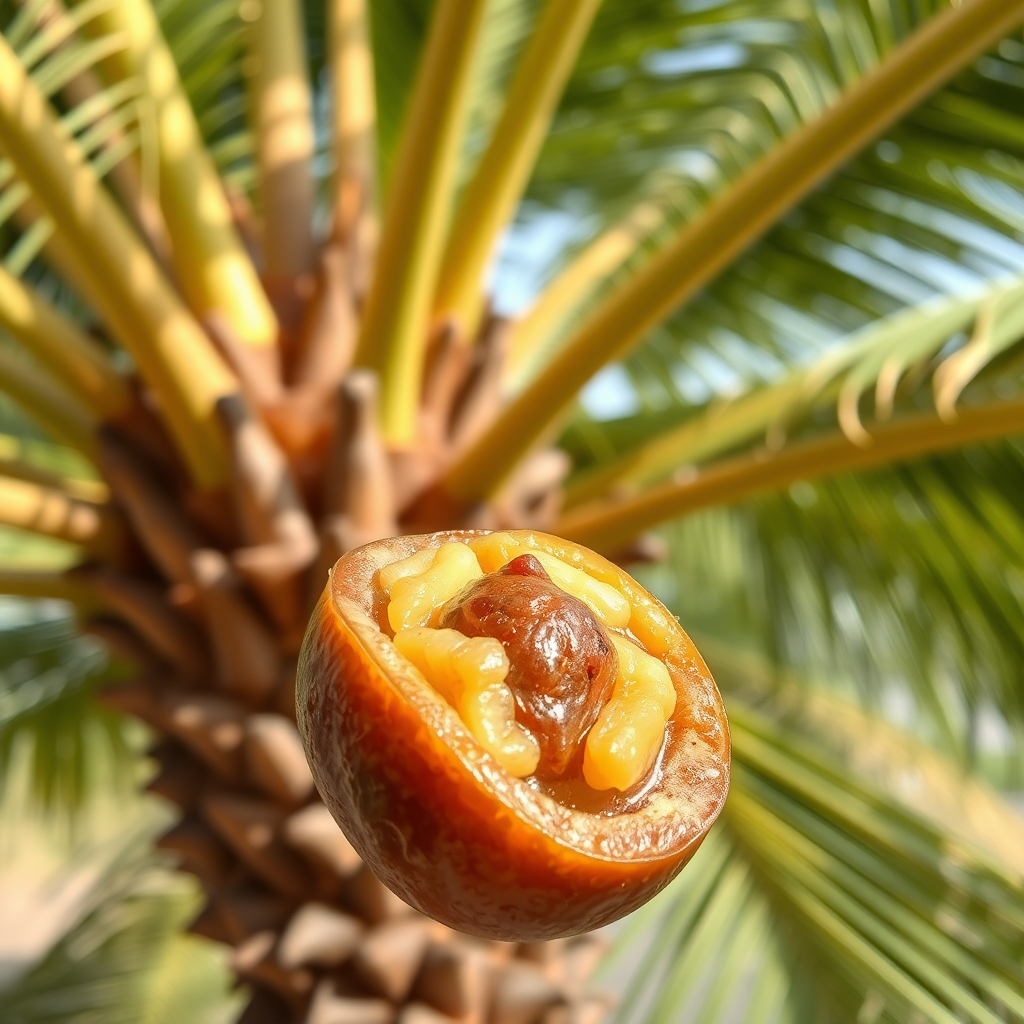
(49, 714)
(705, 950)
(929, 210)
(906, 576)
(742, 74)
(823, 897)
(693, 94)
(908, 908)
(877, 356)
(900, 585)
(921, 357)
(126, 962)
(100, 920)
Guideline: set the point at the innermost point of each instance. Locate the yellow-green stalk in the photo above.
(570, 287)
(214, 269)
(53, 407)
(283, 116)
(607, 525)
(70, 356)
(52, 513)
(353, 97)
(173, 354)
(395, 323)
(489, 200)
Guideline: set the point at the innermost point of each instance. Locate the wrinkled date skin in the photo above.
(442, 824)
(562, 664)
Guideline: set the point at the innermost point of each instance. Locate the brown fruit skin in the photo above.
(435, 816)
(561, 658)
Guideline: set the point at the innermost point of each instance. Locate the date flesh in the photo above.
(563, 666)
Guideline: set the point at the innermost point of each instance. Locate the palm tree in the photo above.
(251, 324)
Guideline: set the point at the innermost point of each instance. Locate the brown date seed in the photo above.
(563, 666)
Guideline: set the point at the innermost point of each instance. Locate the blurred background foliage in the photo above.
(866, 630)
(91, 916)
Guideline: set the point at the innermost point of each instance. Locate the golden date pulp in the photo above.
(562, 664)
(436, 815)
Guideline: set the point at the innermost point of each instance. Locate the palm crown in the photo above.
(251, 321)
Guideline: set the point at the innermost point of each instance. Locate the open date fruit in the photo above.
(518, 739)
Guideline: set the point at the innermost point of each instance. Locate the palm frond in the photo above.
(899, 585)
(930, 581)
(824, 897)
(136, 967)
(49, 678)
(899, 906)
(704, 950)
(398, 30)
(96, 927)
(727, 226)
(894, 229)
(876, 358)
(821, 273)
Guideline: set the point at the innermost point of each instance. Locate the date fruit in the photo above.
(437, 816)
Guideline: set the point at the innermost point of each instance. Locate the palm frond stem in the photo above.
(733, 220)
(43, 584)
(50, 405)
(607, 525)
(878, 354)
(394, 326)
(564, 293)
(173, 354)
(133, 180)
(282, 113)
(39, 237)
(53, 513)
(489, 199)
(212, 264)
(16, 462)
(354, 111)
(73, 358)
